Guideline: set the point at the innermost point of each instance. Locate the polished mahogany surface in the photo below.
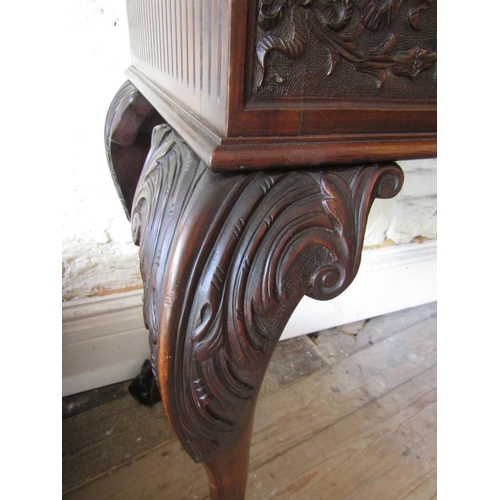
(315, 81)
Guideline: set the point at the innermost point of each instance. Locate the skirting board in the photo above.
(105, 342)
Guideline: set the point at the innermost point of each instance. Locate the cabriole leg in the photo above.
(225, 259)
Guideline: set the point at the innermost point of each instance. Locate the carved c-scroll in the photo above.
(225, 260)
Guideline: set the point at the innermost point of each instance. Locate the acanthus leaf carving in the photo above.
(225, 260)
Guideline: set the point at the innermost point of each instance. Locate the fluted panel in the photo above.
(178, 44)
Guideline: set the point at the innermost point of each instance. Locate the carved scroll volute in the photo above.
(225, 260)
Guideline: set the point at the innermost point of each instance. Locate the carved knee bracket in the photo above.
(225, 259)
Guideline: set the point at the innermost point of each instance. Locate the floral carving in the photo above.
(410, 63)
(285, 25)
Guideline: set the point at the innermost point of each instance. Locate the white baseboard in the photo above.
(105, 342)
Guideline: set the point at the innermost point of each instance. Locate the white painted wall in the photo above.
(98, 254)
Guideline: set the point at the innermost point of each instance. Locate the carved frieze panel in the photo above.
(362, 49)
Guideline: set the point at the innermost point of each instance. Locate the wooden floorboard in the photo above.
(340, 416)
(390, 432)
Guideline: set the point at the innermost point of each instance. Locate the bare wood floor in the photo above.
(347, 414)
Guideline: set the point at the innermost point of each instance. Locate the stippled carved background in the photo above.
(361, 49)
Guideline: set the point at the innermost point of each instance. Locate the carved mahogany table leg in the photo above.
(127, 138)
(225, 259)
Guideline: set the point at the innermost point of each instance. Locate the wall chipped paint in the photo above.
(97, 251)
